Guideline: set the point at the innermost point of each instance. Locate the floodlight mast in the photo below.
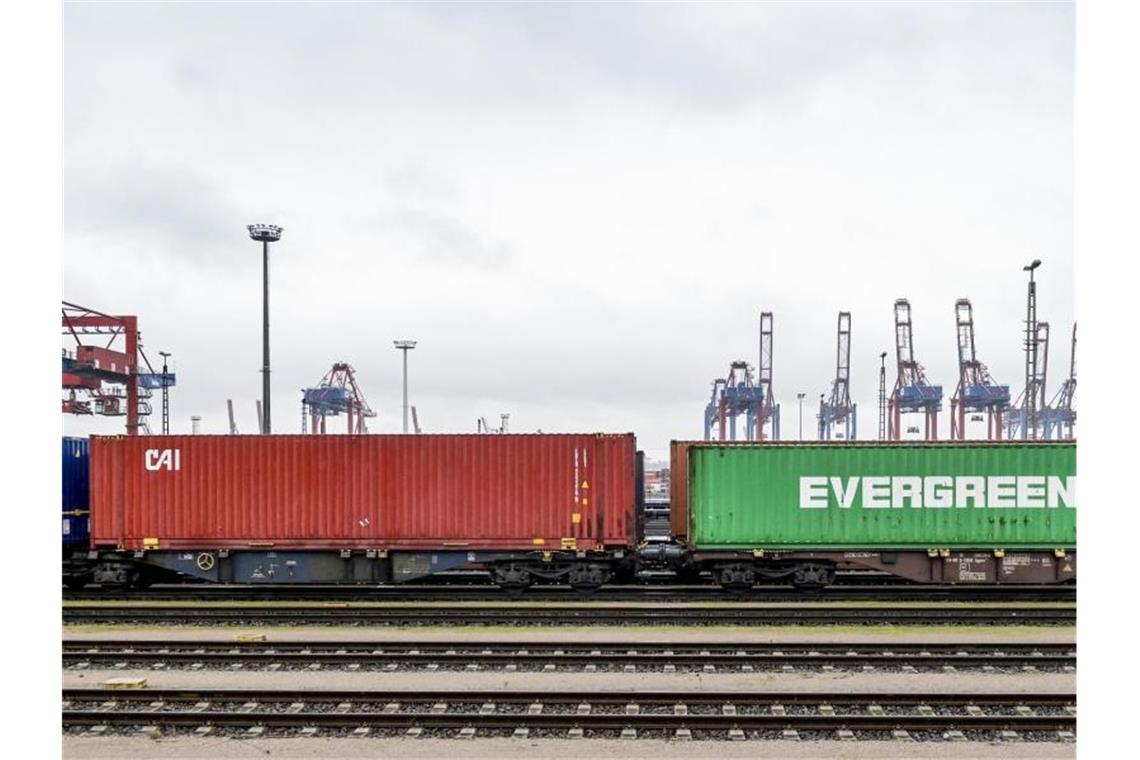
(405, 346)
(265, 234)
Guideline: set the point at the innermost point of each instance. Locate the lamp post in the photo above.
(800, 397)
(405, 346)
(165, 394)
(1029, 425)
(883, 396)
(265, 234)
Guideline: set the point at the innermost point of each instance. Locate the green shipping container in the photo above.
(881, 496)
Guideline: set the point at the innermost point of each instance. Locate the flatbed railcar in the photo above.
(363, 508)
(564, 509)
(972, 512)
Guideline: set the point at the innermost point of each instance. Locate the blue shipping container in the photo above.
(76, 504)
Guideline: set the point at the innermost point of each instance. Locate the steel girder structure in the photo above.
(839, 409)
(337, 393)
(737, 394)
(976, 391)
(102, 379)
(1027, 416)
(1060, 414)
(912, 393)
(770, 410)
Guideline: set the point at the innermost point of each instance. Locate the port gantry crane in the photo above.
(976, 392)
(337, 393)
(737, 394)
(769, 409)
(105, 380)
(839, 409)
(1060, 415)
(912, 393)
(1028, 412)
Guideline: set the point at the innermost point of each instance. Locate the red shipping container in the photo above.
(496, 492)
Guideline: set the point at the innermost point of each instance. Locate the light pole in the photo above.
(822, 396)
(1029, 425)
(883, 396)
(265, 234)
(165, 394)
(405, 346)
(194, 420)
(800, 397)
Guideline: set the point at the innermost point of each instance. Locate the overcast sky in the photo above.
(578, 211)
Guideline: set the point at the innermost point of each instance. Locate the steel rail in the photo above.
(598, 654)
(357, 593)
(483, 710)
(567, 614)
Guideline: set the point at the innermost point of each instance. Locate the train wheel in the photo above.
(512, 578)
(736, 577)
(813, 576)
(588, 577)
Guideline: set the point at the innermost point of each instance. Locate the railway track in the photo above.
(485, 593)
(595, 656)
(631, 714)
(564, 614)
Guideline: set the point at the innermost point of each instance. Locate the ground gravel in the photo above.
(508, 749)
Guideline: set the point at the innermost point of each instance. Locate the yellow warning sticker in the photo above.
(539, 541)
(585, 484)
(576, 518)
(585, 500)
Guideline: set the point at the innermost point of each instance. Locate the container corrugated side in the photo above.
(75, 492)
(882, 496)
(370, 492)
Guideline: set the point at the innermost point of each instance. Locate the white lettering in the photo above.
(885, 492)
(845, 495)
(938, 492)
(1001, 492)
(906, 489)
(813, 492)
(160, 459)
(1031, 492)
(876, 492)
(1057, 494)
(969, 488)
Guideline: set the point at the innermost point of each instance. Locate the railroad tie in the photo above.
(488, 708)
(534, 709)
(390, 708)
(439, 708)
(344, 707)
(633, 709)
(584, 709)
(295, 707)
